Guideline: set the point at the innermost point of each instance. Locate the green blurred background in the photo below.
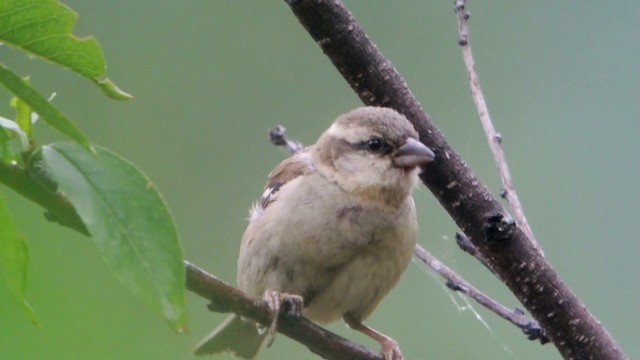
(210, 77)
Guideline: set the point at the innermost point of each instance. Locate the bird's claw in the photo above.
(292, 304)
(275, 300)
(391, 350)
(272, 298)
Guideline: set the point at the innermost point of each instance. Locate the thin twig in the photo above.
(467, 246)
(493, 138)
(456, 283)
(278, 137)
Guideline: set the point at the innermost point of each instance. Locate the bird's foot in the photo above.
(272, 298)
(276, 301)
(292, 304)
(391, 350)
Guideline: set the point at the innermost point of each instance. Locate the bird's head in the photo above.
(372, 152)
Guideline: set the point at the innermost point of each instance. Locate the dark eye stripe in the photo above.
(375, 145)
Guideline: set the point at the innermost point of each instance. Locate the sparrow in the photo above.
(336, 225)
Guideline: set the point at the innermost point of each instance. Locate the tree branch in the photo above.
(508, 249)
(223, 297)
(58, 208)
(456, 283)
(493, 138)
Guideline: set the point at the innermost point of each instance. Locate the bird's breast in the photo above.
(340, 254)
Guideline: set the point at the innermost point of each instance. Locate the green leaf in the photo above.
(128, 221)
(14, 257)
(23, 115)
(108, 87)
(10, 151)
(44, 28)
(40, 105)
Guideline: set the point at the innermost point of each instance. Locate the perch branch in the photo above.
(493, 138)
(574, 331)
(223, 297)
(58, 208)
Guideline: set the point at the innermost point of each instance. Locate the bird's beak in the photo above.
(412, 153)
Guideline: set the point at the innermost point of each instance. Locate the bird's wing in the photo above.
(289, 169)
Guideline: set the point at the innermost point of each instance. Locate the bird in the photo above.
(335, 226)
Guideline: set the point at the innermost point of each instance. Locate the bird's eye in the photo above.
(378, 145)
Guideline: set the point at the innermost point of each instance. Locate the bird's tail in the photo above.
(235, 335)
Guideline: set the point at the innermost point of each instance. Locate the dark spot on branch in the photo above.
(454, 286)
(498, 228)
(219, 307)
(518, 311)
(465, 244)
(503, 193)
(277, 135)
(535, 332)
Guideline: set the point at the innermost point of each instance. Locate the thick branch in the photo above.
(573, 330)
